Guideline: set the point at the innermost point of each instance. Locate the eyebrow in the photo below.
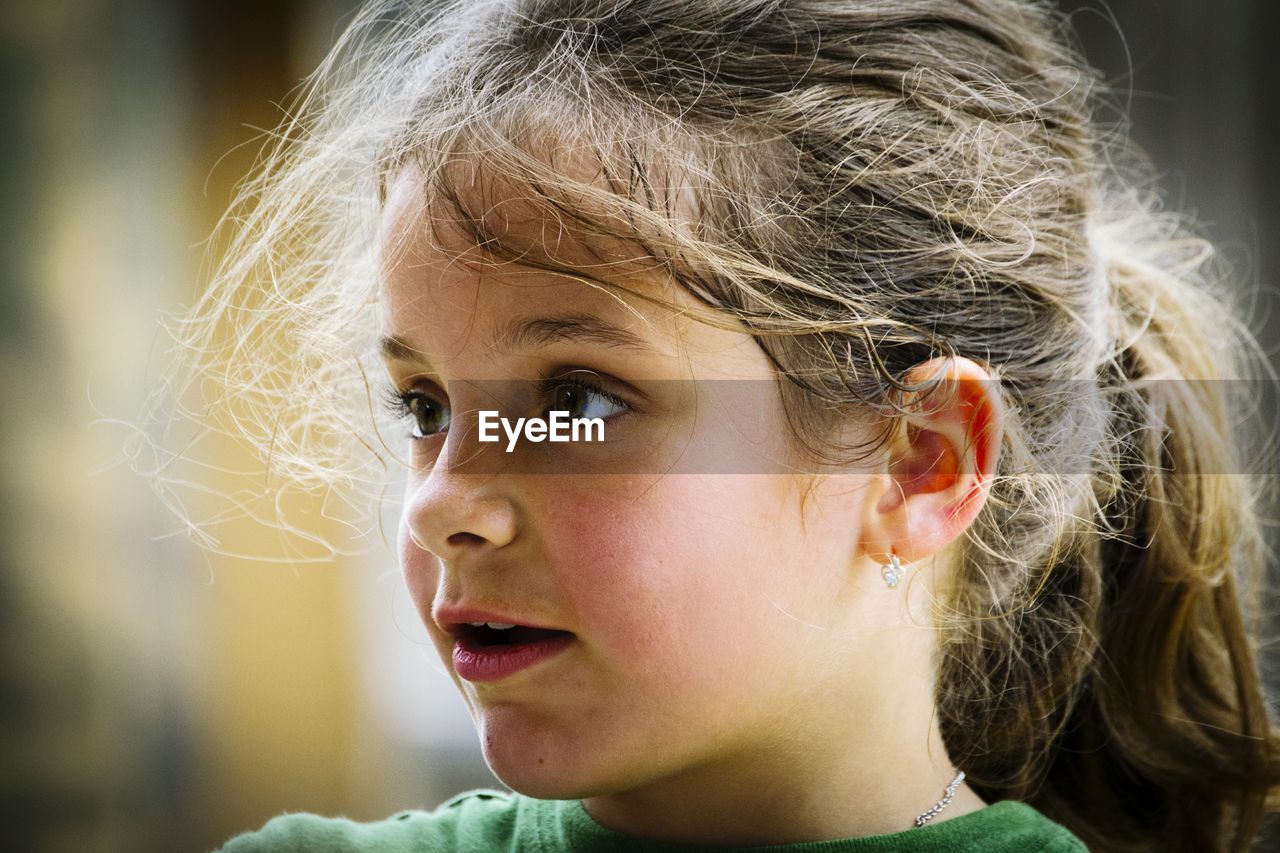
(525, 333)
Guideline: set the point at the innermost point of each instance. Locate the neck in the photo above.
(891, 766)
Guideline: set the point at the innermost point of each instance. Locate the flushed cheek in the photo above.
(645, 583)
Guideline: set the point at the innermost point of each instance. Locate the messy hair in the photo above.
(874, 183)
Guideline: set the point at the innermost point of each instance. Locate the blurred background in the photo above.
(154, 697)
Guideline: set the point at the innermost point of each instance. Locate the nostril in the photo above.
(464, 538)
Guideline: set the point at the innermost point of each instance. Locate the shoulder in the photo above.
(1005, 826)
(483, 820)
(473, 820)
(1023, 827)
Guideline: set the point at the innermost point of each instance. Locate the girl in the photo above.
(892, 542)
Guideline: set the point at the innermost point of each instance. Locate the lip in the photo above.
(454, 620)
(477, 663)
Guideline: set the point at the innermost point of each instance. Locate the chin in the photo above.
(548, 780)
(542, 786)
(540, 766)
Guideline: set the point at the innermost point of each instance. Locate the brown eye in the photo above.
(427, 416)
(582, 398)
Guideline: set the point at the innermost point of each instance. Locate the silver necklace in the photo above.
(942, 803)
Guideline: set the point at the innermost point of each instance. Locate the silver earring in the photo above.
(892, 571)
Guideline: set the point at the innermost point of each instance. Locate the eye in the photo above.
(581, 397)
(426, 415)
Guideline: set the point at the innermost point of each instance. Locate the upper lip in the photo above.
(454, 620)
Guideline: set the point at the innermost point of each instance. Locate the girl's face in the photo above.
(715, 617)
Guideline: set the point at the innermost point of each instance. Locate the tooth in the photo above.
(475, 624)
(499, 625)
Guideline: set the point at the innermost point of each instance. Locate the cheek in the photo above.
(659, 576)
(607, 550)
(420, 569)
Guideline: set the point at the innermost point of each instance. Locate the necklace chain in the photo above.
(941, 804)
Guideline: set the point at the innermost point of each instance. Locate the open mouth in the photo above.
(483, 635)
(483, 653)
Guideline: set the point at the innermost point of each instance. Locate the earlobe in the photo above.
(940, 463)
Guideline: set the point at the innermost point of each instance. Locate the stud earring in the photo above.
(892, 571)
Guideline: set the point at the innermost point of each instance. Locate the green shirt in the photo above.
(489, 821)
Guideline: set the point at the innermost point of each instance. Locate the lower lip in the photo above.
(475, 662)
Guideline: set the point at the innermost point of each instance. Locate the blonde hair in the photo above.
(876, 182)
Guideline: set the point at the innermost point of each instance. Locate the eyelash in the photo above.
(400, 403)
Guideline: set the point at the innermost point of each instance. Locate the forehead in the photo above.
(482, 223)
(442, 277)
(551, 196)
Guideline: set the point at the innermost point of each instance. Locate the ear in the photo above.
(940, 465)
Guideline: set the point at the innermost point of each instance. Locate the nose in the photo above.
(449, 512)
